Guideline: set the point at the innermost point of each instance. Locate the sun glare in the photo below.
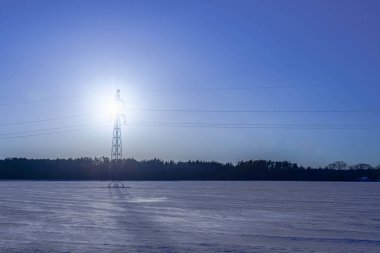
(113, 108)
(103, 106)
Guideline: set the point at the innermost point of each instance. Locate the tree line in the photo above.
(156, 169)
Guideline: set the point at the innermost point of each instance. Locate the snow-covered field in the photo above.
(189, 217)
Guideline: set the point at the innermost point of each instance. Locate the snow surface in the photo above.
(189, 217)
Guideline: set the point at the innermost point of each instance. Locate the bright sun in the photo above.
(113, 108)
(104, 105)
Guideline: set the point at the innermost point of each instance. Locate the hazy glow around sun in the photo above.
(102, 104)
(113, 108)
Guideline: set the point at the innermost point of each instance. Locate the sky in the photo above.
(209, 80)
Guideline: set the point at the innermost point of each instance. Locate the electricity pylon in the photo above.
(117, 148)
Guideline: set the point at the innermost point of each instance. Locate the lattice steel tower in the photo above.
(117, 148)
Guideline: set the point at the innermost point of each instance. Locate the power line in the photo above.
(42, 100)
(260, 126)
(192, 111)
(255, 111)
(46, 129)
(206, 89)
(45, 120)
(284, 126)
(55, 132)
(256, 87)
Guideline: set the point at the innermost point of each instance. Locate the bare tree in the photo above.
(361, 166)
(338, 165)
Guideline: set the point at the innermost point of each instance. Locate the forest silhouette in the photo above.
(156, 169)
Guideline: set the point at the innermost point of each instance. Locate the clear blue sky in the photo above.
(315, 55)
